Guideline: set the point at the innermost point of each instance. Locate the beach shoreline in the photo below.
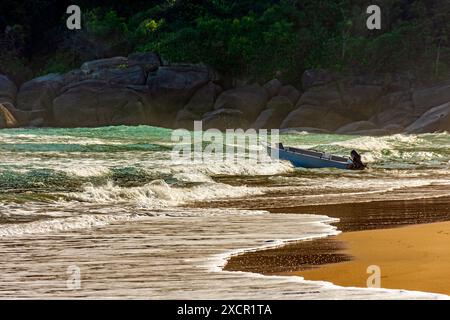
(415, 258)
(397, 236)
(112, 204)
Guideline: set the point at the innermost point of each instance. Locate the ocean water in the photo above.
(136, 224)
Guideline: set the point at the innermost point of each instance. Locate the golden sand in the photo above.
(413, 258)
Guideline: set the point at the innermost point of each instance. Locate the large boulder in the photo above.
(148, 61)
(356, 126)
(396, 116)
(185, 119)
(203, 99)
(8, 91)
(171, 87)
(273, 87)
(395, 100)
(343, 102)
(38, 93)
(223, 119)
(117, 70)
(74, 76)
(250, 100)
(277, 109)
(395, 110)
(352, 98)
(425, 99)
(304, 116)
(95, 103)
(24, 118)
(390, 82)
(125, 75)
(361, 100)
(316, 117)
(316, 77)
(399, 82)
(436, 119)
(269, 119)
(394, 128)
(280, 103)
(290, 92)
(324, 97)
(109, 63)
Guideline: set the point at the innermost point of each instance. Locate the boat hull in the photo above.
(306, 161)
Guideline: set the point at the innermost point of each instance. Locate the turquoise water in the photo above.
(57, 165)
(70, 182)
(133, 166)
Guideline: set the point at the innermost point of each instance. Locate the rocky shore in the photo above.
(142, 89)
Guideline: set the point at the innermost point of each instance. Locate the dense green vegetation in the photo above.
(246, 38)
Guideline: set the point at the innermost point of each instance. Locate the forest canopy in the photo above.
(248, 39)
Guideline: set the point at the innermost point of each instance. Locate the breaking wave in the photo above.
(159, 194)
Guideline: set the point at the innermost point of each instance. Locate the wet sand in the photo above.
(370, 233)
(413, 258)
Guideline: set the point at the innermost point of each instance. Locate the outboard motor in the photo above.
(356, 159)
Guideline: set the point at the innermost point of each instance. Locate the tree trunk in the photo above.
(438, 57)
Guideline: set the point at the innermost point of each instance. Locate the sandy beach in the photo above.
(413, 258)
(408, 240)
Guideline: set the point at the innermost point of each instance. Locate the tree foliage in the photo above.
(250, 39)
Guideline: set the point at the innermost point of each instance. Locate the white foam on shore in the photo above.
(394, 150)
(159, 194)
(354, 293)
(379, 143)
(193, 177)
(87, 165)
(366, 187)
(250, 169)
(195, 234)
(218, 262)
(86, 171)
(63, 224)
